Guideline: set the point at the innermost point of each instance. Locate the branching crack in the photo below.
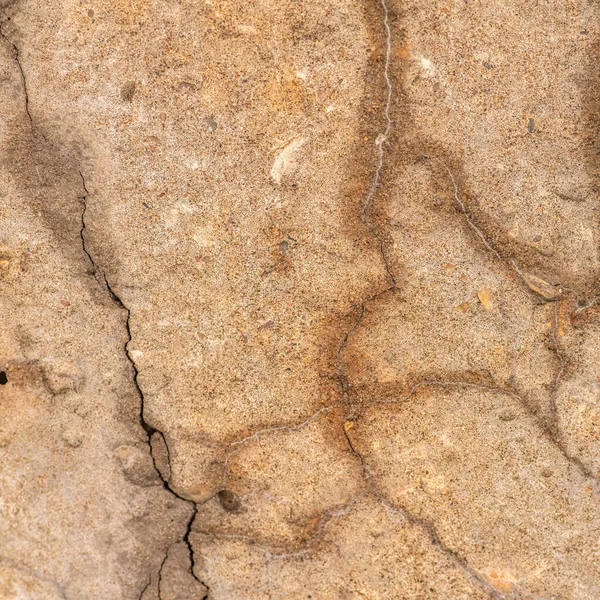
(426, 526)
(326, 517)
(272, 554)
(278, 553)
(330, 515)
(365, 215)
(551, 429)
(234, 447)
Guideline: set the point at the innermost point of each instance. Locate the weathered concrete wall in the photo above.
(299, 300)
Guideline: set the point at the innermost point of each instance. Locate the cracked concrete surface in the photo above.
(299, 300)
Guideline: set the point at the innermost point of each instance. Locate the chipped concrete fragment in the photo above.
(137, 465)
(285, 161)
(541, 287)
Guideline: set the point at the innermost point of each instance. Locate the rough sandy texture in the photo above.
(299, 300)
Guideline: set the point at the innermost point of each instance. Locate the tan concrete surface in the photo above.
(299, 300)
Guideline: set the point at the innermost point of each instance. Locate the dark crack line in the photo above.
(160, 570)
(365, 215)
(17, 57)
(352, 447)
(380, 142)
(147, 427)
(431, 532)
(554, 423)
(526, 278)
(164, 439)
(550, 429)
(145, 589)
(421, 523)
(345, 390)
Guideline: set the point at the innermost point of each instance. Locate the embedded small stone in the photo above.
(530, 125)
(128, 91)
(211, 122)
(464, 307)
(72, 438)
(504, 580)
(485, 298)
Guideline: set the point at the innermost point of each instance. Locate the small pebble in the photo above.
(128, 91)
(72, 438)
(530, 125)
(212, 124)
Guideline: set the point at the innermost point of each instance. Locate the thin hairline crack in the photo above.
(17, 57)
(365, 215)
(551, 429)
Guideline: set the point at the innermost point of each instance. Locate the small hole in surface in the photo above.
(3, 378)
(229, 500)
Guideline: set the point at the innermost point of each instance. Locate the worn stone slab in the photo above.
(299, 300)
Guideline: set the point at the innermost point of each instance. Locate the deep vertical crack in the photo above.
(160, 570)
(145, 588)
(146, 426)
